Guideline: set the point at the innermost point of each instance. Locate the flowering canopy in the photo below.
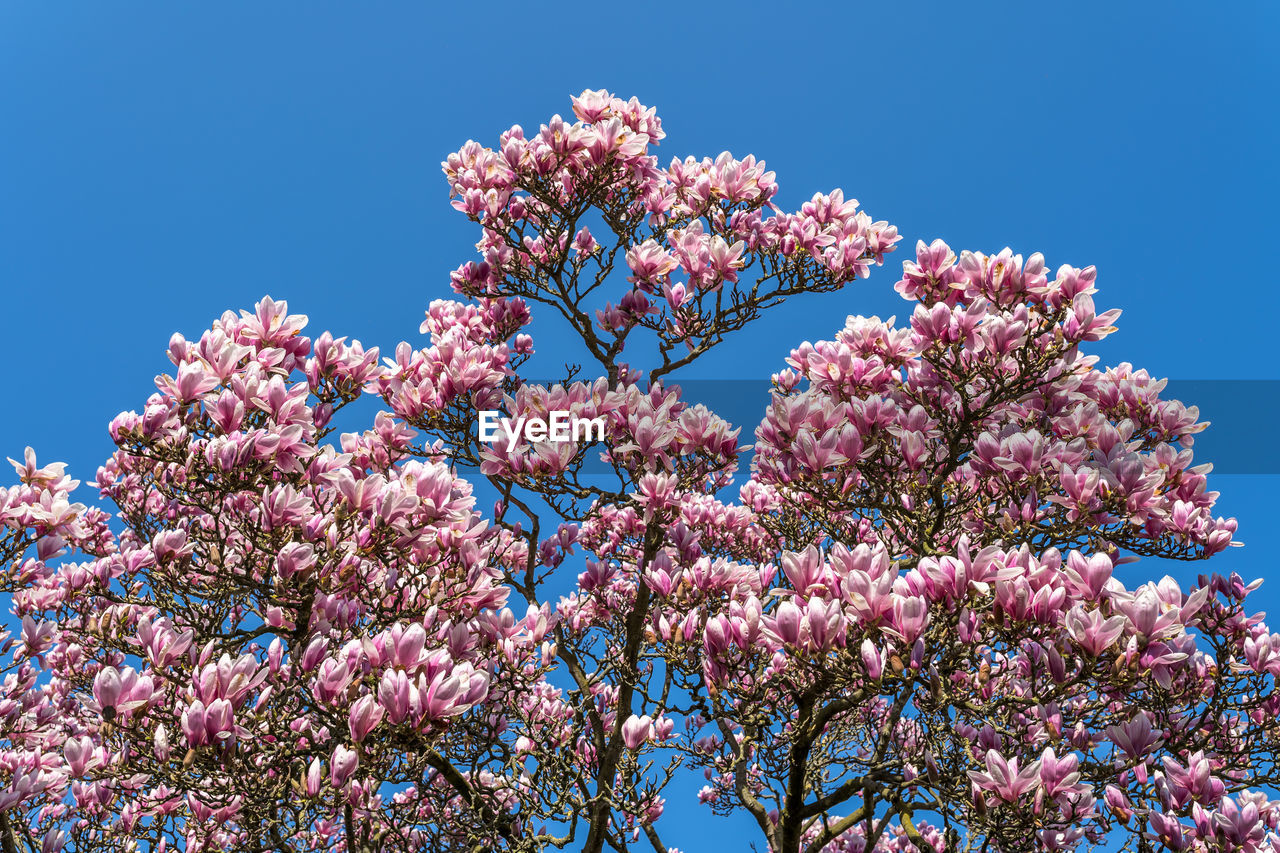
(904, 633)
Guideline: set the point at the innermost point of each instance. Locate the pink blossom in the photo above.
(1005, 779)
(342, 765)
(637, 730)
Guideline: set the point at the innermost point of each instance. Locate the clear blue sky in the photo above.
(160, 163)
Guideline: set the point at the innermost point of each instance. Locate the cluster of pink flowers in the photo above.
(905, 631)
(984, 417)
(1063, 642)
(694, 230)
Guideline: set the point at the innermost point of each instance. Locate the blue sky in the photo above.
(162, 163)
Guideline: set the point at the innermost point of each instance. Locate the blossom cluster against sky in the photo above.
(162, 164)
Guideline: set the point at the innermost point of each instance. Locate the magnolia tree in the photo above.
(899, 630)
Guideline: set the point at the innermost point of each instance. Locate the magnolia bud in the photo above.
(161, 741)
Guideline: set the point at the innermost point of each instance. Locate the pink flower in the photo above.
(910, 616)
(786, 623)
(803, 569)
(193, 724)
(592, 105)
(1005, 779)
(79, 754)
(108, 686)
(192, 381)
(219, 720)
(1135, 738)
(1058, 775)
(313, 778)
(393, 695)
(872, 659)
(637, 730)
(365, 714)
(449, 695)
(1092, 630)
(343, 763)
(409, 645)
